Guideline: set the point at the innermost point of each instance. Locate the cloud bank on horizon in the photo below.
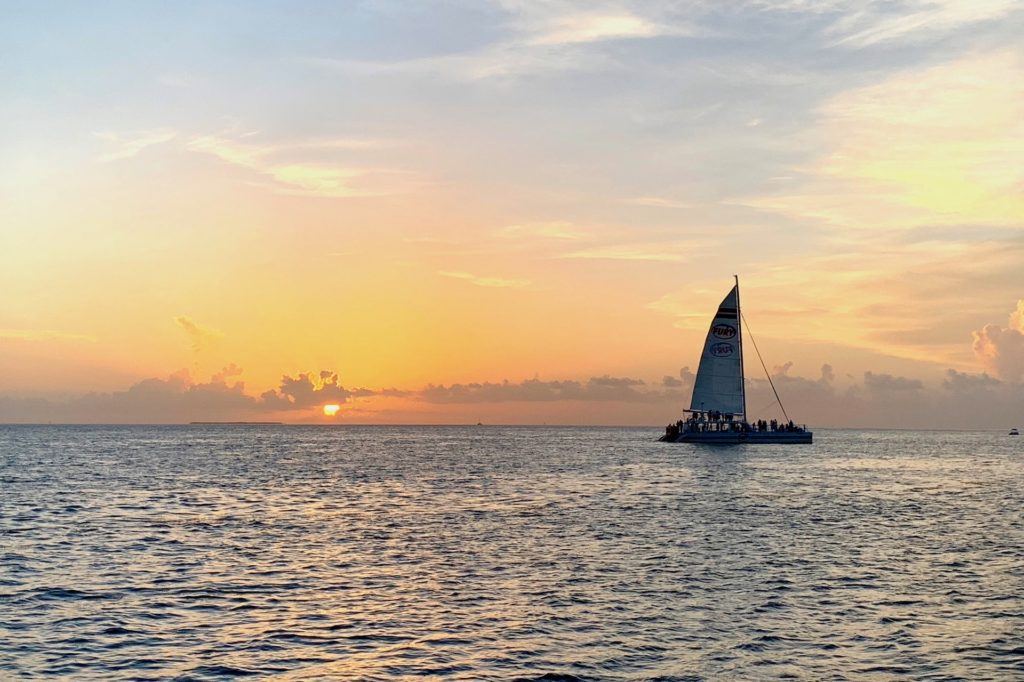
(962, 400)
(441, 196)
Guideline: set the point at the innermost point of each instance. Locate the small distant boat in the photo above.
(1014, 432)
(718, 408)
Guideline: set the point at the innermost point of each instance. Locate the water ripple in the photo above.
(554, 554)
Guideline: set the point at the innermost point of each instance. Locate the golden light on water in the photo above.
(331, 410)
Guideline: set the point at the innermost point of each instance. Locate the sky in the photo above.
(509, 212)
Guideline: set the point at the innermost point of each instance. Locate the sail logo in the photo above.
(721, 350)
(724, 331)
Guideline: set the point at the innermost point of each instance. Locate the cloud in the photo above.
(827, 374)
(577, 28)
(1001, 349)
(962, 382)
(490, 282)
(308, 390)
(855, 297)
(924, 147)
(914, 21)
(232, 370)
(128, 145)
(663, 252)
(659, 202)
(173, 399)
(878, 400)
(304, 177)
(961, 401)
(200, 337)
(43, 335)
(888, 382)
(601, 388)
(179, 398)
(543, 37)
(568, 23)
(285, 165)
(557, 229)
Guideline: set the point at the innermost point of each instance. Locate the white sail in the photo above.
(719, 383)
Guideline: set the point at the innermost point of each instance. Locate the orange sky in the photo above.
(507, 192)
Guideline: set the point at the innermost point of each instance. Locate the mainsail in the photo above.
(719, 383)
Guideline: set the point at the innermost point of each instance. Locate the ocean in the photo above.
(475, 553)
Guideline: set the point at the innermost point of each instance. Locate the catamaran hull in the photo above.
(739, 438)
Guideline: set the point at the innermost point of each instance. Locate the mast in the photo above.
(739, 342)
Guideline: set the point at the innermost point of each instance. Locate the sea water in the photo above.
(504, 553)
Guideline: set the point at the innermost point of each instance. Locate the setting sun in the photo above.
(331, 410)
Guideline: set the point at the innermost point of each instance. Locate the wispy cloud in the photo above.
(659, 202)
(663, 252)
(301, 177)
(556, 229)
(937, 146)
(546, 37)
(286, 164)
(43, 335)
(491, 282)
(199, 336)
(127, 145)
(496, 61)
(583, 27)
(914, 20)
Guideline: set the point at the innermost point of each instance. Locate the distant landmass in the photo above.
(251, 423)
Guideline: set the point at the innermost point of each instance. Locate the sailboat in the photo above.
(718, 407)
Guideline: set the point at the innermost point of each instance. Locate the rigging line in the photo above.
(770, 382)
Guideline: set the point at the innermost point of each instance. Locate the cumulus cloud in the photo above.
(888, 382)
(879, 400)
(1001, 349)
(176, 398)
(827, 374)
(874, 400)
(180, 398)
(309, 390)
(962, 382)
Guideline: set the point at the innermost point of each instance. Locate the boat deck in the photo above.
(751, 437)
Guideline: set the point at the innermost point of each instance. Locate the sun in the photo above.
(331, 410)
